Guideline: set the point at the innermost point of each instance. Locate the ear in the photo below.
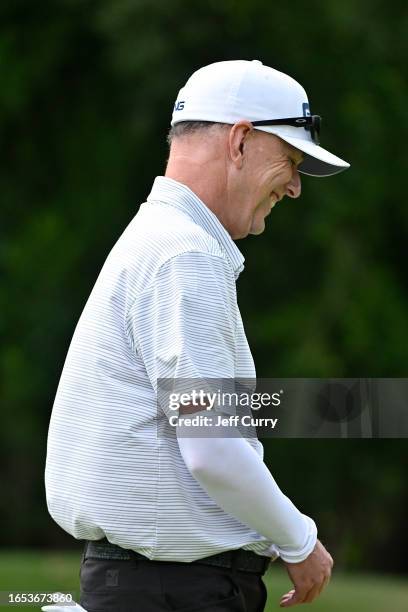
(237, 140)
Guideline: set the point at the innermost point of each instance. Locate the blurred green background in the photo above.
(87, 90)
(48, 572)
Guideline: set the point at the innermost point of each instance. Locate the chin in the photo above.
(257, 229)
(251, 230)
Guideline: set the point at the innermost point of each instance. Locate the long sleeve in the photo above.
(184, 327)
(235, 476)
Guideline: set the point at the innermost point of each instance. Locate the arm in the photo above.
(183, 326)
(234, 475)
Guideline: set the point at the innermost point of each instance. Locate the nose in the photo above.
(294, 187)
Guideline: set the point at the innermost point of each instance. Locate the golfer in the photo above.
(172, 522)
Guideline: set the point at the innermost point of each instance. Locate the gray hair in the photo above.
(186, 128)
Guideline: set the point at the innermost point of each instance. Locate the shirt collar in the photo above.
(180, 196)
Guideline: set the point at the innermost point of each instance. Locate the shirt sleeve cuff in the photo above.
(290, 555)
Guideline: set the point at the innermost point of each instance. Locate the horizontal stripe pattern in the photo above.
(164, 305)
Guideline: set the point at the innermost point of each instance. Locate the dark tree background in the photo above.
(87, 90)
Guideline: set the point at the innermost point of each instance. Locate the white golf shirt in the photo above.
(164, 306)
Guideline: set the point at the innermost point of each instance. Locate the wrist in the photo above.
(297, 555)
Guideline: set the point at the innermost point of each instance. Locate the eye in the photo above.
(295, 162)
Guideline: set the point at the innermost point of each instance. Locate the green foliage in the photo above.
(87, 93)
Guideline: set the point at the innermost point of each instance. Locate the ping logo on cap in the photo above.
(306, 109)
(179, 105)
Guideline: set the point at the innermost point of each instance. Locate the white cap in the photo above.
(226, 92)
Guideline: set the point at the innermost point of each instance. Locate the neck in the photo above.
(203, 171)
(203, 167)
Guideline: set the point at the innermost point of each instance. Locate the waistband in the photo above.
(243, 560)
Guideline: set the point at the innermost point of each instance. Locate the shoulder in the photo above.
(168, 232)
(164, 248)
(160, 237)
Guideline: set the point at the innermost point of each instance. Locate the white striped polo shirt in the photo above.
(164, 305)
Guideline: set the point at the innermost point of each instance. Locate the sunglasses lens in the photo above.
(316, 128)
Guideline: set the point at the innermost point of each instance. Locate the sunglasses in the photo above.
(311, 124)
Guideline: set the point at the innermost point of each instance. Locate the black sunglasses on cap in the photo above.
(311, 124)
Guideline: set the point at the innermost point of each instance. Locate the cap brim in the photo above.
(317, 161)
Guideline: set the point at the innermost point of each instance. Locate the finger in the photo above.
(285, 603)
(312, 594)
(324, 584)
(316, 589)
(296, 597)
(287, 596)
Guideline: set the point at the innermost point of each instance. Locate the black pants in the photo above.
(161, 586)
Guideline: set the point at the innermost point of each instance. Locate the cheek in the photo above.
(274, 178)
(283, 172)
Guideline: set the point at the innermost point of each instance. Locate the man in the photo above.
(174, 522)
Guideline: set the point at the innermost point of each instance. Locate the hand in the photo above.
(309, 577)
